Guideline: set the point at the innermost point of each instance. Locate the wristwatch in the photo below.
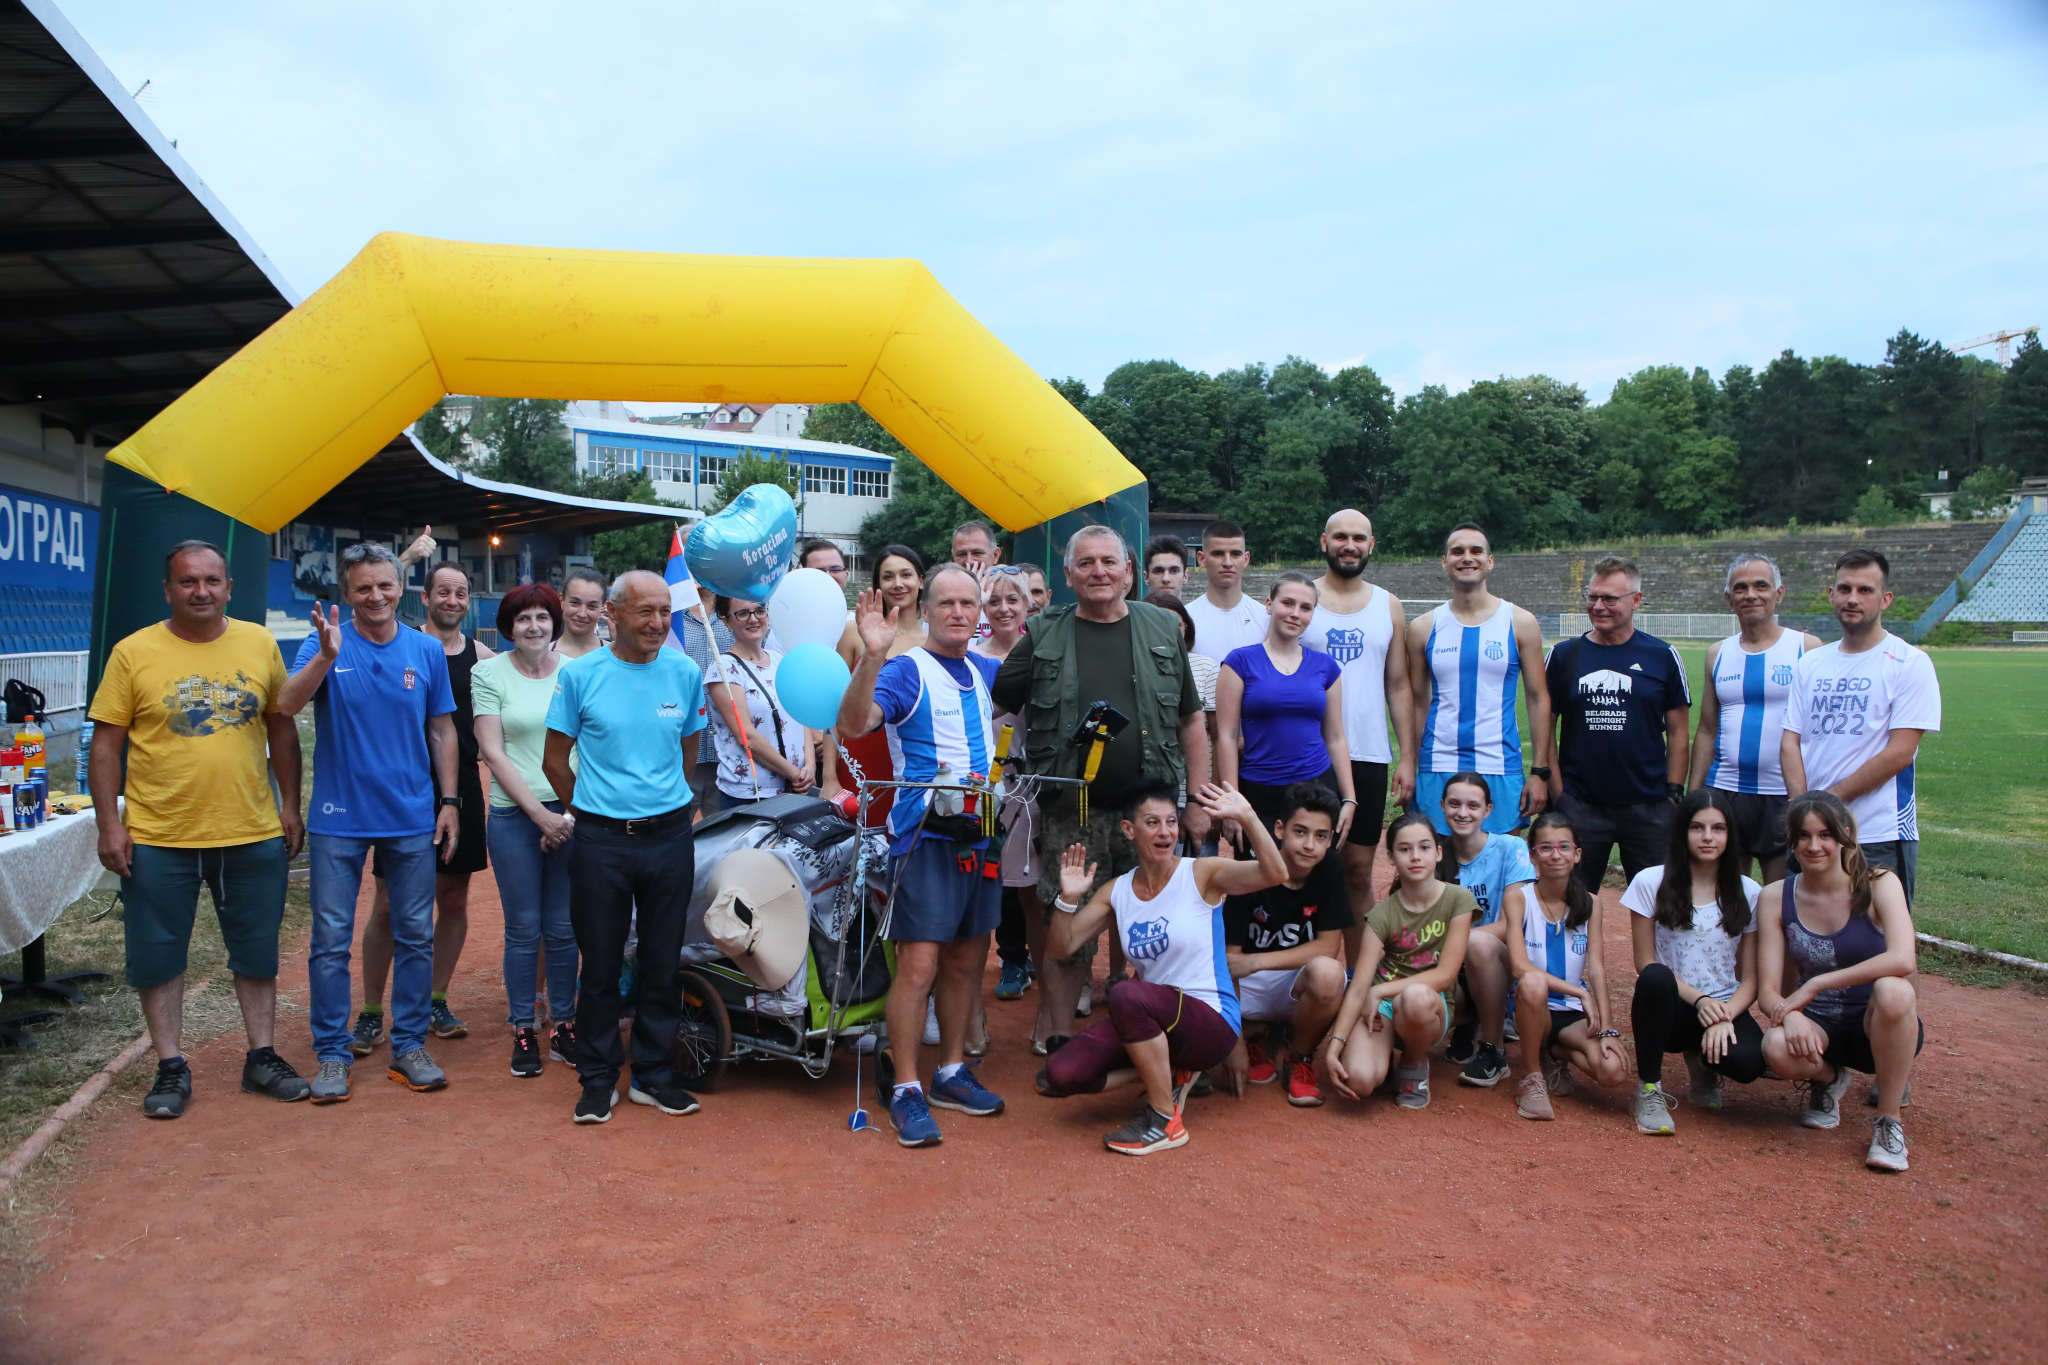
(1543, 773)
(454, 801)
(1675, 790)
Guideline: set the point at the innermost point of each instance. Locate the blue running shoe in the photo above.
(964, 1091)
(912, 1119)
(1010, 986)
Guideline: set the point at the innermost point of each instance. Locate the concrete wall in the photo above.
(1924, 560)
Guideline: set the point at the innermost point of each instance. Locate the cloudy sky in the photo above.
(1445, 192)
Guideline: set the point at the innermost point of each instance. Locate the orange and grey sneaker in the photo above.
(1261, 1071)
(1302, 1090)
(1150, 1131)
(1184, 1085)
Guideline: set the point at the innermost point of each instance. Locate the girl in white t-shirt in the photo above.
(780, 744)
(1695, 949)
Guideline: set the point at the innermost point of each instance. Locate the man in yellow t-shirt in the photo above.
(193, 702)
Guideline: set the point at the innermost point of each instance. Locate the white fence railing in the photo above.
(59, 677)
(1674, 625)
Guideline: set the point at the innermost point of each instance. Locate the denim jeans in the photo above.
(533, 887)
(336, 882)
(612, 874)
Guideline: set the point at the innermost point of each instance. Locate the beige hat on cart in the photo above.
(758, 916)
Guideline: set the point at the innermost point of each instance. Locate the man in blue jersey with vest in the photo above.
(1465, 660)
(1742, 712)
(1624, 720)
(934, 703)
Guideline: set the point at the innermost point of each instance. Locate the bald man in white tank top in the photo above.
(1362, 627)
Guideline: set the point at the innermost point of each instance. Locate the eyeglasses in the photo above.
(1007, 570)
(1549, 850)
(837, 571)
(1602, 599)
(748, 614)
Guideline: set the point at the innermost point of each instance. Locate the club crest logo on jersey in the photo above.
(1579, 942)
(1345, 646)
(1781, 674)
(1147, 940)
(1495, 651)
(1604, 680)
(409, 677)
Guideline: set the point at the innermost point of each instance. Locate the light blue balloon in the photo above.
(745, 550)
(810, 681)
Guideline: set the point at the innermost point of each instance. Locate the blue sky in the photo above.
(1444, 192)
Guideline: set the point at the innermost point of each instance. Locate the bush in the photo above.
(1950, 633)
(1983, 494)
(1876, 508)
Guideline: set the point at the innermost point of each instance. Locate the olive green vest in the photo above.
(1159, 666)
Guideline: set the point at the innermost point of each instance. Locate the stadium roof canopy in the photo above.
(123, 281)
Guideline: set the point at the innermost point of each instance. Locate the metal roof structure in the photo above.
(123, 281)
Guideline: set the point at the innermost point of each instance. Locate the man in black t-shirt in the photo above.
(1623, 709)
(1284, 946)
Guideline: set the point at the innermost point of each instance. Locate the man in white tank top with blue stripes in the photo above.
(1742, 714)
(934, 702)
(1465, 660)
(1363, 627)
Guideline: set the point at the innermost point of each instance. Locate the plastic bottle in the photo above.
(84, 754)
(30, 741)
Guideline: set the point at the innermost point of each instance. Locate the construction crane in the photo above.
(2004, 340)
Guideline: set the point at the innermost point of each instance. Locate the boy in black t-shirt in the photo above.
(1284, 945)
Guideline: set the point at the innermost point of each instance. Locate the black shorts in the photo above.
(1560, 1020)
(472, 852)
(1849, 1046)
(1369, 784)
(1758, 821)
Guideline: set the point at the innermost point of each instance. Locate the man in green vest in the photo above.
(1129, 655)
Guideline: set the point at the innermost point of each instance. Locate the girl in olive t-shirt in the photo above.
(1399, 997)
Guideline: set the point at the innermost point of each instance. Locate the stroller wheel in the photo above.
(704, 1040)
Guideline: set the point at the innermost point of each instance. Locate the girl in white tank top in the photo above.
(1176, 939)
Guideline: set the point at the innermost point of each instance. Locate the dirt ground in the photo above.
(478, 1224)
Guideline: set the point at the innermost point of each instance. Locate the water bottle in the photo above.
(84, 754)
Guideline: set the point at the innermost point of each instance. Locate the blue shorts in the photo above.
(940, 899)
(1504, 818)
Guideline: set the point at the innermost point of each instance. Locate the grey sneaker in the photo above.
(331, 1085)
(166, 1098)
(368, 1032)
(1653, 1111)
(1887, 1145)
(416, 1071)
(266, 1073)
(1557, 1075)
(1532, 1099)
(1704, 1088)
(1413, 1091)
(1824, 1100)
(445, 1024)
(1870, 1097)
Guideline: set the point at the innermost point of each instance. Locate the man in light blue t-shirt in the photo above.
(384, 711)
(627, 711)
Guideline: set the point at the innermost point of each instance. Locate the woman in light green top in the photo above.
(530, 832)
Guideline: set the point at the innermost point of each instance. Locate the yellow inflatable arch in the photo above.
(413, 318)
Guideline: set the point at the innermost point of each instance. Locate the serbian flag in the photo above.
(682, 589)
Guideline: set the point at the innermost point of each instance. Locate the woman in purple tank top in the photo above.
(1846, 929)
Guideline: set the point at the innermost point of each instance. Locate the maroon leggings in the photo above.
(1197, 1038)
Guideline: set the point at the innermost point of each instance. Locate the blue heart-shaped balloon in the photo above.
(745, 550)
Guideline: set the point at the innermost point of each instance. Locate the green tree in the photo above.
(1986, 493)
(527, 443)
(637, 547)
(1498, 454)
(1168, 421)
(1684, 479)
(922, 509)
(1924, 420)
(1282, 504)
(751, 466)
(2019, 417)
(441, 433)
(1876, 508)
(1361, 471)
(1805, 439)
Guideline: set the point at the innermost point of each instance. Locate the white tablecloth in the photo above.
(43, 870)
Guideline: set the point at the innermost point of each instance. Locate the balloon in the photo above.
(273, 428)
(810, 681)
(809, 608)
(745, 550)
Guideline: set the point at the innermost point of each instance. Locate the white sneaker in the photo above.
(1887, 1145)
(1087, 1001)
(1824, 1100)
(931, 1023)
(1653, 1111)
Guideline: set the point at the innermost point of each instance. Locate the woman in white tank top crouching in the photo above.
(1180, 1016)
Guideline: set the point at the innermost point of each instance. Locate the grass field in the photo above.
(1983, 800)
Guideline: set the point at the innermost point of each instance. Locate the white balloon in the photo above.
(807, 608)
